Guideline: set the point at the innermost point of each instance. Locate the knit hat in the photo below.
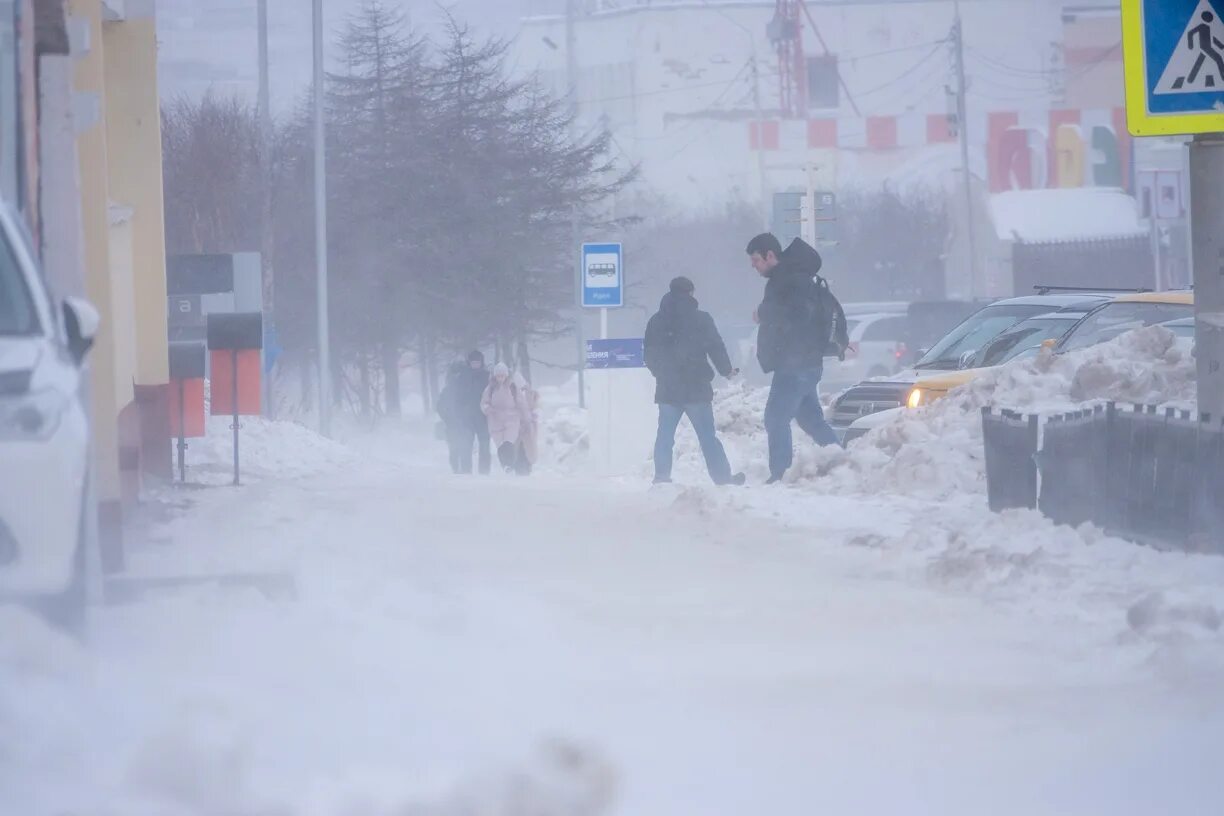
(682, 286)
(501, 370)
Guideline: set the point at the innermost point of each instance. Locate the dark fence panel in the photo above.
(1010, 441)
(1073, 463)
(1150, 476)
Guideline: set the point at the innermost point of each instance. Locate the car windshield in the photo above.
(1114, 319)
(1029, 334)
(16, 306)
(975, 332)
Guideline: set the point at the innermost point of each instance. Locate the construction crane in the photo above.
(785, 31)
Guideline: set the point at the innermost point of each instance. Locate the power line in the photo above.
(730, 85)
(907, 72)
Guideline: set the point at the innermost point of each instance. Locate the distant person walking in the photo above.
(454, 426)
(800, 321)
(529, 433)
(681, 341)
(503, 404)
(467, 418)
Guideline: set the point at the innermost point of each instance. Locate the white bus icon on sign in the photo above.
(602, 271)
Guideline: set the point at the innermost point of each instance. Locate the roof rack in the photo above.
(1042, 289)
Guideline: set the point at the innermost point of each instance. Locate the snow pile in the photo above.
(565, 438)
(266, 449)
(936, 452)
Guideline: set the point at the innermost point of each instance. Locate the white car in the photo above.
(877, 345)
(44, 436)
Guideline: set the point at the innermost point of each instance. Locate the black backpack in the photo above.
(824, 314)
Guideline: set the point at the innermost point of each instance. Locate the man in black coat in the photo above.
(791, 346)
(463, 408)
(680, 342)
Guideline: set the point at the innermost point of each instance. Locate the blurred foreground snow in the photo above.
(869, 639)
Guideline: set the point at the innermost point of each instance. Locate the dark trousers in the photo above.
(793, 396)
(701, 414)
(461, 451)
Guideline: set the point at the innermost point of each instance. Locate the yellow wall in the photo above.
(134, 157)
(107, 392)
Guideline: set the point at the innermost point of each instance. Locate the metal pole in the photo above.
(265, 154)
(1207, 241)
(571, 84)
(234, 397)
(320, 196)
(182, 430)
(962, 126)
(760, 124)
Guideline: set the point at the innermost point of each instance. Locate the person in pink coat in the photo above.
(504, 406)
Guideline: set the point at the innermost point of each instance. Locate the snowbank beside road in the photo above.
(267, 449)
(935, 452)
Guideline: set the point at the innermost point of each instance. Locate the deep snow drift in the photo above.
(935, 452)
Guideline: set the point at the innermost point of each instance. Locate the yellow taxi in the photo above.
(1026, 339)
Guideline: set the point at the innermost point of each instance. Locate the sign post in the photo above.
(603, 288)
(1173, 53)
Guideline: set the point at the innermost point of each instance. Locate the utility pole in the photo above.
(265, 160)
(962, 126)
(320, 195)
(1207, 248)
(760, 152)
(571, 85)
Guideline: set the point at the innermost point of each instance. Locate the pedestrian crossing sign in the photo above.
(1173, 51)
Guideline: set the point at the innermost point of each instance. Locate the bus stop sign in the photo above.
(1173, 52)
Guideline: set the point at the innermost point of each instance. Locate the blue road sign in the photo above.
(623, 353)
(1173, 51)
(603, 276)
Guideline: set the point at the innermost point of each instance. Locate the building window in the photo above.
(822, 84)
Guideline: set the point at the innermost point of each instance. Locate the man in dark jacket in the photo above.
(789, 345)
(680, 342)
(447, 407)
(468, 421)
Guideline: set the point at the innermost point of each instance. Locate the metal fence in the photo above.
(1150, 476)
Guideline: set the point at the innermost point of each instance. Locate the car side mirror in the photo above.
(920, 353)
(966, 359)
(81, 322)
(1049, 343)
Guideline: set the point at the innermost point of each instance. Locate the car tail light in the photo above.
(900, 351)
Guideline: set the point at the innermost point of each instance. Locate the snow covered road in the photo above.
(547, 646)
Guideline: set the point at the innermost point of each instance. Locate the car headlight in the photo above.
(31, 417)
(916, 397)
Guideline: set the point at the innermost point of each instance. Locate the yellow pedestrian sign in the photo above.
(1174, 58)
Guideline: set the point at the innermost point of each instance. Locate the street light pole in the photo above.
(962, 126)
(571, 86)
(265, 163)
(320, 196)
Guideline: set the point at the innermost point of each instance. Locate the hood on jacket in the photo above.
(800, 258)
(678, 302)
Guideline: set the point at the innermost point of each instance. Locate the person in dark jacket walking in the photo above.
(680, 343)
(454, 426)
(468, 419)
(790, 346)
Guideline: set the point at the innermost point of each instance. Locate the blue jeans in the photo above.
(701, 414)
(794, 396)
